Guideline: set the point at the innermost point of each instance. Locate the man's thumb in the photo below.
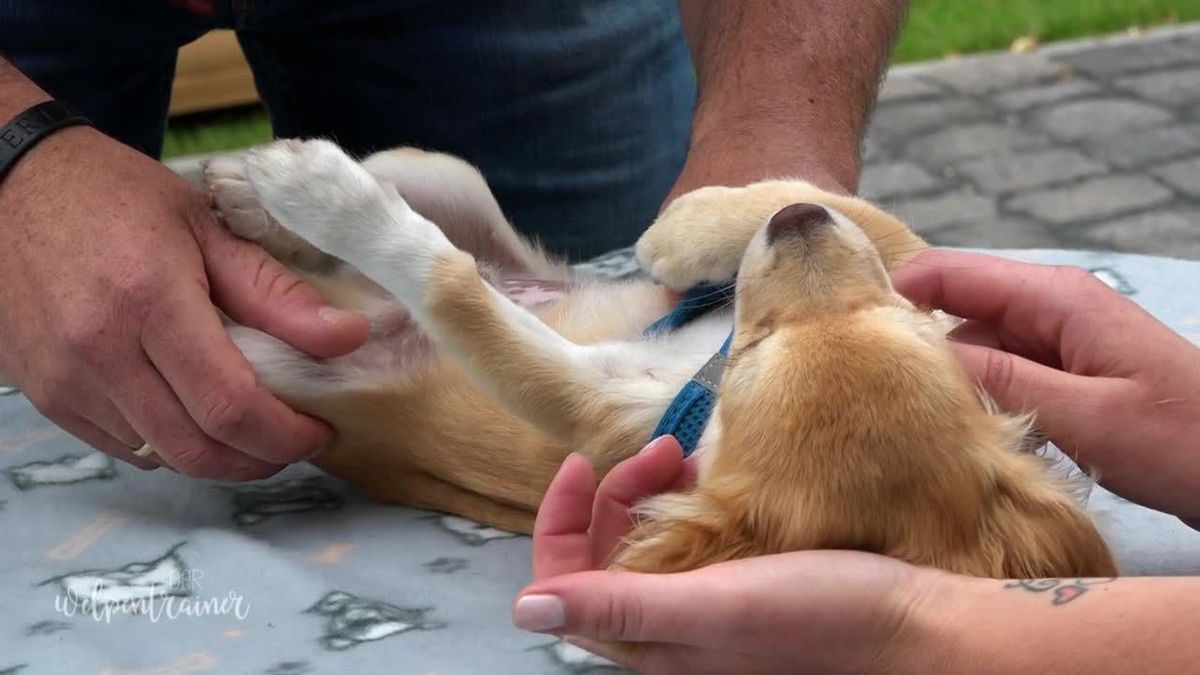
(257, 290)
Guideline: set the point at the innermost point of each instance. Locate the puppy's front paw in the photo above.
(699, 238)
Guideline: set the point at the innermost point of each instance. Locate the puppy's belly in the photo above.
(396, 344)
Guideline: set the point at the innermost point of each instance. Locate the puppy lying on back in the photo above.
(843, 419)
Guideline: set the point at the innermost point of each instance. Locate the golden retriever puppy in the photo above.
(843, 420)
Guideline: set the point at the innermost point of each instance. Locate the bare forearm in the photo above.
(1146, 625)
(786, 86)
(17, 92)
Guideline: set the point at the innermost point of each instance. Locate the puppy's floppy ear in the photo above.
(682, 532)
(1046, 533)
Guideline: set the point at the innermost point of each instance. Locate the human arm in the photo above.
(785, 88)
(113, 272)
(827, 611)
(1112, 386)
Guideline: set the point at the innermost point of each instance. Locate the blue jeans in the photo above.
(577, 111)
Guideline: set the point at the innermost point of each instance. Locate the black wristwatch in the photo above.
(30, 127)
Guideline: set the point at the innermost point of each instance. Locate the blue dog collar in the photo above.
(689, 412)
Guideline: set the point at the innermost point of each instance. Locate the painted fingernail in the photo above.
(540, 613)
(656, 443)
(333, 315)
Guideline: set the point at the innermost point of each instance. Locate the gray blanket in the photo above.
(112, 570)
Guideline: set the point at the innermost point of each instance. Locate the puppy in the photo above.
(843, 419)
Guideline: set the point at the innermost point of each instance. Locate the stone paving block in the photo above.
(1148, 146)
(1170, 232)
(872, 150)
(896, 179)
(1119, 59)
(908, 118)
(964, 141)
(1091, 200)
(1171, 87)
(995, 233)
(1099, 117)
(934, 213)
(984, 74)
(904, 87)
(1183, 176)
(1030, 97)
(997, 174)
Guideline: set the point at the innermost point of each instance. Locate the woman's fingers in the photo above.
(560, 535)
(656, 469)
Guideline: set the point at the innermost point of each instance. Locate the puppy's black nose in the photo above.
(797, 220)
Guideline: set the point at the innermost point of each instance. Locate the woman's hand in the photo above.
(1112, 386)
(817, 611)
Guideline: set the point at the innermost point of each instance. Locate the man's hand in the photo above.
(816, 611)
(1112, 386)
(113, 271)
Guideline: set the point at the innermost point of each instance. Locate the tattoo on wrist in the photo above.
(1061, 591)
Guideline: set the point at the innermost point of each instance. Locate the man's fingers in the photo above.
(220, 391)
(258, 291)
(145, 399)
(560, 534)
(657, 468)
(99, 439)
(101, 413)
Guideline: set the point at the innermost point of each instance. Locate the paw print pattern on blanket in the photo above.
(290, 668)
(446, 565)
(572, 659)
(1114, 279)
(47, 628)
(165, 576)
(65, 470)
(255, 503)
(469, 531)
(351, 620)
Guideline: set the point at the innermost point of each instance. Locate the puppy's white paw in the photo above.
(324, 196)
(696, 240)
(234, 196)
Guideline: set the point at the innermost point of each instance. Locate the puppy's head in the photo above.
(808, 260)
(844, 421)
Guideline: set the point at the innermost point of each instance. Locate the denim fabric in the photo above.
(577, 111)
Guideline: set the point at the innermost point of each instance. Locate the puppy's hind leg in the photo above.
(454, 195)
(315, 190)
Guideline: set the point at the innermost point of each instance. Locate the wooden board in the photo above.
(212, 74)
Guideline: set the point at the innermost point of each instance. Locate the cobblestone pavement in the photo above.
(1088, 145)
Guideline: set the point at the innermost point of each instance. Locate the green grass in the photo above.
(215, 132)
(936, 28)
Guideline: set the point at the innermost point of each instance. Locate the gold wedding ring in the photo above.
(144, 451)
